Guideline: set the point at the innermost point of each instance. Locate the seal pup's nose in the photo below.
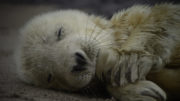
(80, 59)
(81, 62)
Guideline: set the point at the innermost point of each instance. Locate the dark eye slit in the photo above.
(59, 34)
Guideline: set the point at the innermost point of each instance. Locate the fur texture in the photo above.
(67, 49)
(146, 38)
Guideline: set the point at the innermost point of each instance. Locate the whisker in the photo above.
(102, 33)
(108, 45)
(86, 28)
(101, 37)
(79, 36)
(97, 35)
(95, 26)
(104, 40)
(104, 43)
(93, 36)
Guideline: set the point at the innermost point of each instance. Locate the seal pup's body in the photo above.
(67, 49)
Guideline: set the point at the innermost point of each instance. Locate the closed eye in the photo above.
(59, 34)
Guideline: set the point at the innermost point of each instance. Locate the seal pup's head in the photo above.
(59, 49)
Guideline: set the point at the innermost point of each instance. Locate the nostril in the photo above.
(79, 55)
(81, 62)
(80, 59)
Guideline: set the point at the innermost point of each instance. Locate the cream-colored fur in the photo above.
(46, 60)
(119, 52)
(146, 38)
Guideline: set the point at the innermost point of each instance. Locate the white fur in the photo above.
(130, 45)
(41, 55)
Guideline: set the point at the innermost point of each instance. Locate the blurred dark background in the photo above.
(104, 7)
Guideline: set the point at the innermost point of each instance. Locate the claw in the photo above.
(140, 91)
(153, 91)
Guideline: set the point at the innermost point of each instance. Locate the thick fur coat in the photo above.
(68, 49)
